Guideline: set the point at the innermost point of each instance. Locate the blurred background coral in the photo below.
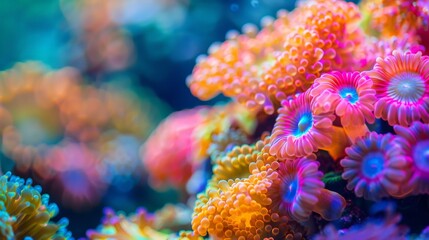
(85, 82)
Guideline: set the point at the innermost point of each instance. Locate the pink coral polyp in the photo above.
(167, 154)
(415, 142)
(401, 82)
(298, 190)
(349, 94)
(298, 131)
(375, 167)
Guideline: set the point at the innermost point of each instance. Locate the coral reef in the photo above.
(324, 132)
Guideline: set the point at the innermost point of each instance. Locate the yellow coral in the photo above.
(241, 161)
(118, 226)
(218, 121)
(25, 212)
(187, 235)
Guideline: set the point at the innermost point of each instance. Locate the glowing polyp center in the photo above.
(406, 87)
(372, 164)
(350, 94)
(421, 155)
(290, 190)
(305, 121)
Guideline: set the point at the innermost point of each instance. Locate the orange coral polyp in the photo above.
(232, 211)
(261, 69)
(240, 210)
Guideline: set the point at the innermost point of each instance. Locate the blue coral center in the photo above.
(372, 164)
(290, 190)
(350, 94)
(406, 87)
(304, 123)
(421, 155)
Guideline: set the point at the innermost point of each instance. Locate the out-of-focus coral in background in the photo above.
(234, 119)
(85, 82)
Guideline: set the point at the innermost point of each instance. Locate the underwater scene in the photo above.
(214, 119)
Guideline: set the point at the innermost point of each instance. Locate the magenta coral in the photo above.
(415, 142)
(297, 190)
(168, 152)
(350, 95)
(375, 166)
(385, 47)
(401, 82)
(299, 131)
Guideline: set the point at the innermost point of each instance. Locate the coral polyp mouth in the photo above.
(406, 87)
(291, 189)
(303, 125)
(421, 155)
(372, 164)
(350, 94)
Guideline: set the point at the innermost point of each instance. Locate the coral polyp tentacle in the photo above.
(260, 69)
(300, 131)
(26, 213)
(375, 167)
(237, 162)
(401, 82)
(415, 142)
(240, 209)
(350, 96)
(297, 190)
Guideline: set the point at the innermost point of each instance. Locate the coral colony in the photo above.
(326, 135)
